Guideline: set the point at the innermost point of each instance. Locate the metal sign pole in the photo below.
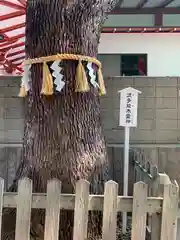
(126, 172)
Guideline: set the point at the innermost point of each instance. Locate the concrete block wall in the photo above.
(158, 123)
(11, 111)
(158, 112)
(11, 127)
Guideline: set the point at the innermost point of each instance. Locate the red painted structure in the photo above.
(12, 35)
(12, 27)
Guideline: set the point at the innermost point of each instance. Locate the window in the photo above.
(110, 64)
(123, 64)
(133, 65)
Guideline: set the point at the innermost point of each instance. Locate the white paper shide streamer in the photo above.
(26, 79)
(57, 75)
(92, 75)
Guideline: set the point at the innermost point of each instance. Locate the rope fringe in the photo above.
(47, 85)
(81, 79)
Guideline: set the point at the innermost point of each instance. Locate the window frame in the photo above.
(126, 54)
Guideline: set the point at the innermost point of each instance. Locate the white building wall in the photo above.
(163, 50)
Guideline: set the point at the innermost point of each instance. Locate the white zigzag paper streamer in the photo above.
(26, 78)
(57, 75)
(92, 75)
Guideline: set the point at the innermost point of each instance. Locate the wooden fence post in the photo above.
(156, 191)
(52, 210)
(139, 211)
(110, 211)
(81, 210)
(23, 214)
(1, 202)
(169, 211)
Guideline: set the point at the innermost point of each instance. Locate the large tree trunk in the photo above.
(63, 135)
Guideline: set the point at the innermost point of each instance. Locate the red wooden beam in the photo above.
(17, 66)
(11, 39)
(11, 28)
(22, 2)
(12, 46)
(5, 37)
(140, 27)
(19, 69)
(11, 15)
(15, 53)
(17, 59)
(7, 43)
(11, 5)
(141, 30)
(16, 37)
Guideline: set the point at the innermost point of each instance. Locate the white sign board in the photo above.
(128, 107)
(127, 119)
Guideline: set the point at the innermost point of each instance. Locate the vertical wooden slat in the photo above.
(178, 229)
(155, 226)
(52, 210)
(175, 230)
(81, 210)
(139, 211)
(169, 211)
(1, 202)
(156, 191)
(23, 214)
(110, 211)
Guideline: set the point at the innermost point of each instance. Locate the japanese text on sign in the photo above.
(128, 108)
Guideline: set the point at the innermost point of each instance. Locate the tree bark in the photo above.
(63, 136)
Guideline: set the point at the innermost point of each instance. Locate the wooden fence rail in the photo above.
(81, 202)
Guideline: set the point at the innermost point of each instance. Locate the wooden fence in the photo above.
(81, 202)
(156, 183)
